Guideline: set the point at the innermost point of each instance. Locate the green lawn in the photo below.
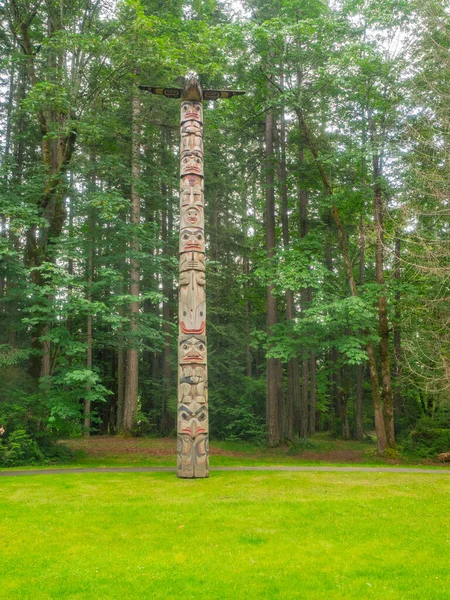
(236, 535)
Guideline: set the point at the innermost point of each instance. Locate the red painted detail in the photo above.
(193, 358)
(198, 331)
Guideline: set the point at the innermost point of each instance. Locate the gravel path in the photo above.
(214, 469)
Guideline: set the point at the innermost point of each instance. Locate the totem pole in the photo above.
(192, 413)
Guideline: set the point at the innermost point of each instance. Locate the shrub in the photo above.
(427, 441)
(141, 425)
(300, 444)
(52, 451)
(19, 448)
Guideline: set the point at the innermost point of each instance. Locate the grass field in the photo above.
(234, 536)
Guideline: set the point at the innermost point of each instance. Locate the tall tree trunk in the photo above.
(2, 272)
(89, 337)
(274, 372)
(312, 378)
(151, 390)
(132, 366)
(293, 374)
(359, 418)
(383, 329)
(376, 396)
(248, 352)
(398, 404)
(345, 395)
(70, 262)
(167, 422)
(313, 395)
(121, 368)
(333, 354)
(213, 224)
(9, 107)
(113, 401)
(121, 352)
(303, 211)
(359, 415)
(19, 142)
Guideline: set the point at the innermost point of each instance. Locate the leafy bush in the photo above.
(19, 448)
(52, 451)
(393, 453)
(141, 425)
(300, 444)
(63, 395)
(244, 425)
(427, 440)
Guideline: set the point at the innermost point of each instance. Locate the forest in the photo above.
(327, 219)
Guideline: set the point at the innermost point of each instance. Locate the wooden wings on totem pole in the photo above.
(179, 92)
(192, 410)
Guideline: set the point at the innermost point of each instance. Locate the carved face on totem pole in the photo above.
(191, 111)
(192, 181)
(192, 419)
(192, 442)
(191, 163)
(192, 239)
(192, 350)
(192, 216)
(192, 303)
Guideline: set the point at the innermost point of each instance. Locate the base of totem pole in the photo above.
(187, 474)
(183, 476)
(192, 456)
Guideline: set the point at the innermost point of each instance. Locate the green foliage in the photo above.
(426, 440)
(141, 425)
(235, 417)
(10, 356)
(299, 444)
(19, 448)
(62, 394)
(45, 95)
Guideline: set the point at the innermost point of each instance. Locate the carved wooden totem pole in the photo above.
(192, 416)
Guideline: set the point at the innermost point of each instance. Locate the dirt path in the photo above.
(215, 469)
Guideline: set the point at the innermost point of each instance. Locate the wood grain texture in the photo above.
(192, 412)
